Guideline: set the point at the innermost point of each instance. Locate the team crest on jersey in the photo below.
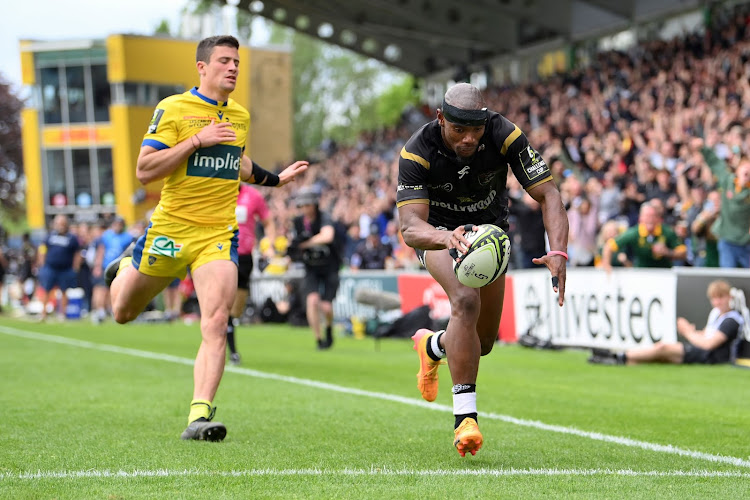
(164, 246)
(486, 178)
(151, 260)
(221, 161)
(154, 123)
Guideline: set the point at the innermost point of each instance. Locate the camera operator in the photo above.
(313, 235)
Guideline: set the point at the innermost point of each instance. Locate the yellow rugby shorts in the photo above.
(168, 249)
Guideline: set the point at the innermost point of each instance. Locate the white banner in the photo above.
(628, 308)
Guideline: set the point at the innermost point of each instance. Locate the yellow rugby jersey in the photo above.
(203, 190)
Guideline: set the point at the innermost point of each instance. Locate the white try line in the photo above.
(373, 471)
(663, 448)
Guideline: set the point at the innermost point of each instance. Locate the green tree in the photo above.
(339, 94)
(11, 152)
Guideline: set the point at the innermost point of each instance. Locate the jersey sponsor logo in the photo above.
(59, 240)
(415, 187)
(535, 165)
(474, 207)
(164, 246)
(221, 160)
(154, 123)
(463, 172)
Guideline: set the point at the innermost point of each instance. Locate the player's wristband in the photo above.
(558, 252)
(264, 177)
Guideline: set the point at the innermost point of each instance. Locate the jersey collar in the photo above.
(195, 92)
(643, 232)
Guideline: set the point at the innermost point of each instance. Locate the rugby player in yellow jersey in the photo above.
(196, 142)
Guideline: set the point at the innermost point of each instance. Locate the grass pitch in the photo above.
(96, 412)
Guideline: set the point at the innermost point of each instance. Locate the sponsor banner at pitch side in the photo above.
(621, 310)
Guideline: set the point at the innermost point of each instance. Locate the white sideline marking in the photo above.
(372, 471)
(663, 448)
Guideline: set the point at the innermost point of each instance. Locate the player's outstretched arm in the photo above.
(254, 174)
(292, 171)
(556, 223)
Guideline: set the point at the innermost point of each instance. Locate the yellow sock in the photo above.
(125, 262)
(199, 408)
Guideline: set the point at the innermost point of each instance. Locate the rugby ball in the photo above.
(486, 258)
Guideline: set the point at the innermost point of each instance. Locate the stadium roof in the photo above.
(423, 37)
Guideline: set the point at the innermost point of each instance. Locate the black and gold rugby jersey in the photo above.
(461, 193)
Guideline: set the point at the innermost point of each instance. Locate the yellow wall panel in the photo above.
(152, 60)
(271, 140)
(32, 166)
(28, 75)
(130, 124)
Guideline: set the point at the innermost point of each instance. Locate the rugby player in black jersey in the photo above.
(452, 176)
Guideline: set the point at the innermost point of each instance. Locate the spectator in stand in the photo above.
(583, 222)
(530, 226)
(610, 230)
(732, 228)
(27, 268)
(112, 243)
(85, 279)
(96, 299)
(372, 253)
(352, 243)
(59, 261)
(273, 251)
(651, 243)
(705, 248)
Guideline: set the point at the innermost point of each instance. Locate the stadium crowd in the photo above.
(643, 125)
(666, 123)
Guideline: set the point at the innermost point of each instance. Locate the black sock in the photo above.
(461, 418)
(230, 335)
(621, 357)
(329, 334)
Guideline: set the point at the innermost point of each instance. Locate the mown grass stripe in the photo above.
(661, 448)
(373, 471)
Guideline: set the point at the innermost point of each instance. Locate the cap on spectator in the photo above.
(307, 196)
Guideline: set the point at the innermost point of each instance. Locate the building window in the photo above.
(82, 181)
(50, 87)
(56, 177)
(143, 94)
(106, 181)
(76, 94)
(101, 91)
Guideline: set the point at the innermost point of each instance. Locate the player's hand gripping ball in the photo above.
(486, 259)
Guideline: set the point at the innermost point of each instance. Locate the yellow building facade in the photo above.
(92, 102)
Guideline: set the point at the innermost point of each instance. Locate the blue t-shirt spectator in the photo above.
(114, 244)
